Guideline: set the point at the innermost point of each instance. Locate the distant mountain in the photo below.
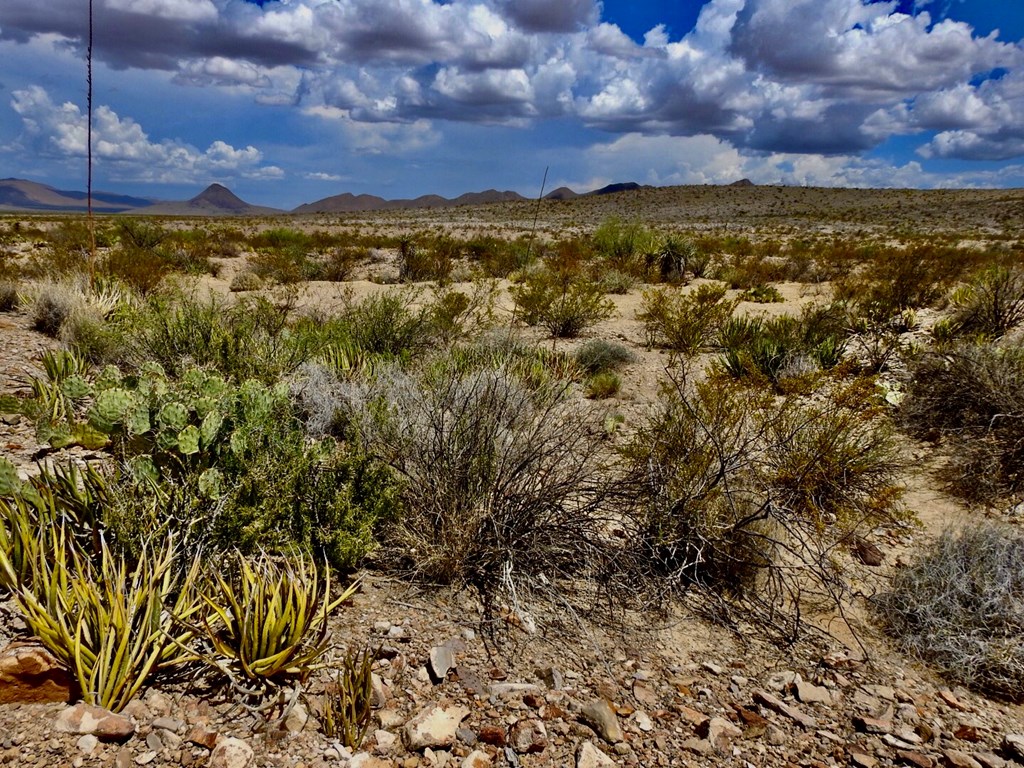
(215, 200)
(562, 193)
(611, 189)
(24, 195)
(742, 183)
(349, 203)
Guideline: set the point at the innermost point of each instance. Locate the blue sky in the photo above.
(289, 101)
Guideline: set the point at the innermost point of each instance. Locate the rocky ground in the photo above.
(454, 687)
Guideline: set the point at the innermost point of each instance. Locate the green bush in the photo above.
(960, 607)
(685, 322)
(762, 294)
(8, 296)
(603, 385)
(990, 304)
(626, 247)
(599, 356)
(564, 305)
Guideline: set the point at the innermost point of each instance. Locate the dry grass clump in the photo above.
(971, 397)
(503, 482)
(961, 608)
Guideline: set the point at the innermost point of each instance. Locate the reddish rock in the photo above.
(915, 758)
(953, 758)
(528, 737)
(29, 674)
(766, 699)
(493, 735)
(967, 733)
(872, 724)
(202, 737)
(754, 724)
(951, 700)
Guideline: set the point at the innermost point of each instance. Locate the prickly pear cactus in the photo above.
(10, 483)
(110, 407)
(193, 379)
(137, 421)
(174, 416)
(205, 405)
(214, 387)
(210, 483)
(188, 440)
(76, 387)
(210, 427)
(109, 378)
(238, 443)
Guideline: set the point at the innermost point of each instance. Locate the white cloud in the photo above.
(121, 144)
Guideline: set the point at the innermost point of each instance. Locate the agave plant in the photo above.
(269, 620)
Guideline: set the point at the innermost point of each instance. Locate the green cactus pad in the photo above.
(144, 469)
(167, 440)
(238, 443)
(137, 420)
(152, 369)
(214, 386)
(205, 406)
(210, 483)
(188, 440)
(10, 483)
(76, 387)
(210, 427)
(173, 416)
(193, 379)
(111, 406)
(109, 378)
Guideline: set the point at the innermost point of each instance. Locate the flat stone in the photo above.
(88, 744)
(720, 734)
(600, 715)
(643, 721)
(966, 732)
(366, 760)
(29, 674)
(433, 727)
(385, 740)
(988, 760)
(804, 720)
(231, 753)
(145, 758)
(168, 724)
(809, 693)
(85, 718)
(202, 737)
(915, 758)
(1013, 745)
(872, 724)
(754, 725)
(153, 742)
(494, 735)
(954, 758)
(442, 661)
(508, 689)
(863, 760)
(589, 756)
(296, 719)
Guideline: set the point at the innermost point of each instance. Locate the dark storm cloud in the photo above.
(548, 16)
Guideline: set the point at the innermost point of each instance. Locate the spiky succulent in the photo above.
(10, 483)
(76, 387)
(110, 407)
(174, 416)
(188, 440)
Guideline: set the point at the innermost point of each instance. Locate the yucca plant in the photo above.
(269, 619)
(111, 625)
(348, 700)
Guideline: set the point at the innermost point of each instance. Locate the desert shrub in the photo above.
(252, 338)
(991, 304)
(675, 257)
(603, 385)
(338, 263)
(762, 294)
(286, 265)
(684, 322)
(386, 323)
(280, 238)
(971, 396)
(246, 281)
(616, 282)
(8, 296)
(624, 246)
(564, 305)
(143, 269)
(502, 483)
(741, 492)
(599, 355)
(498, 258)
(960, 607)
(89, 334)
(418, 262)
(52, 306)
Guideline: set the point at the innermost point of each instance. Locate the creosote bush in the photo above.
(564, 304)
(961, 609)
(685, 322)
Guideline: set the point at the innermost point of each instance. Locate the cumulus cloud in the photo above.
(831, 77)
(121, 144)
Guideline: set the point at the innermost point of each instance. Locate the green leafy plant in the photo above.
(684, 322)
(347, 702)
(565, 305)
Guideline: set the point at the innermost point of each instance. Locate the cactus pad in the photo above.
(188, 440)
(76, 387)
(173, 416)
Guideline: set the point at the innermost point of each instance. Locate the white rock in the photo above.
(589, 756)
(231, 753)
(435, 726)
